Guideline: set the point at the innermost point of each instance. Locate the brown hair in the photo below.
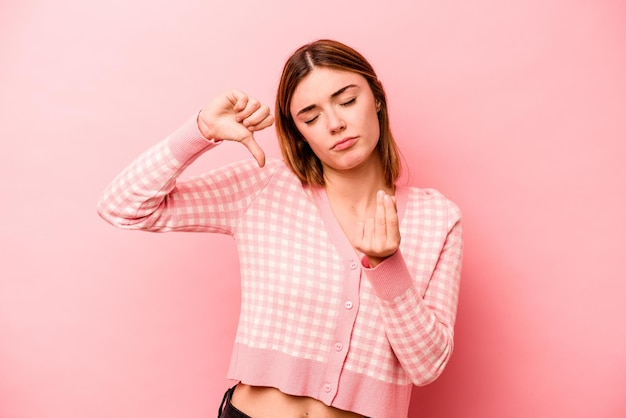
(295, 150)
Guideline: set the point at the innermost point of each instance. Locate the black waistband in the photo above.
(227, 410)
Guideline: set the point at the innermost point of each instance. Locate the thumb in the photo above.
(255, 149)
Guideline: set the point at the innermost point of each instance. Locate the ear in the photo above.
(378, 106)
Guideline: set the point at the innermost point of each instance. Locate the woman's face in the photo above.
(336, 113)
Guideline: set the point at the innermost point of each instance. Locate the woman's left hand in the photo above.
(379, 238)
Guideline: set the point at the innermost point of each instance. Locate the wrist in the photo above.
(204, 128)
(374, 261)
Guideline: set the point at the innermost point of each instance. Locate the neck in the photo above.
(356, 189)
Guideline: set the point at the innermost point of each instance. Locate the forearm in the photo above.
(419, 312)
(421, 341)
(137, 197)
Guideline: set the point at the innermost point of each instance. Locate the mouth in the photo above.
(344, 143)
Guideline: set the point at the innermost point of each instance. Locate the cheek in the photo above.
(309, 133)
(303, 131)
(304, 135)
(376, 124)
(371, 121)
(375, 119)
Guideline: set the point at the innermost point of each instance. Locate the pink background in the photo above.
(516, 110)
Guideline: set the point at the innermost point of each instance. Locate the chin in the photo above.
(350, 164)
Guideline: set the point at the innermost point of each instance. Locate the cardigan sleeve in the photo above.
(419, 323)
(148, 194)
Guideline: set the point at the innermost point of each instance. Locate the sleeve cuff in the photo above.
(391, 278)
(187, 142)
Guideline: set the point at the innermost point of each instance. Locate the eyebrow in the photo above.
(335, 94)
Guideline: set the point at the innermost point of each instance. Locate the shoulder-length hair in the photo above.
(295, 150)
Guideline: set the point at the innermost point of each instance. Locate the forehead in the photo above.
(321, 83)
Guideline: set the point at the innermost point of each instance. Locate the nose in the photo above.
(335, 122)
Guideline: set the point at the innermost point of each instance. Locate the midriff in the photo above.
(267, 402)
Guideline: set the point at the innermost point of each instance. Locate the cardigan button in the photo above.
(354, 265)
(338, 346)
(327, 388)
(348, 305)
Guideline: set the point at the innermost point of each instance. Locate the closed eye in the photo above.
(349, 102)
(344, 104)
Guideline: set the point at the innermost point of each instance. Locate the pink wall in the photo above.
(516, 111)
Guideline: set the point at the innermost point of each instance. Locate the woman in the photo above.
(349, 281)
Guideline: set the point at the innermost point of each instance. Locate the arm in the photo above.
(419, 319)
(147, 195)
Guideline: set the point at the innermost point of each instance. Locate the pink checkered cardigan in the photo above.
(315, 319)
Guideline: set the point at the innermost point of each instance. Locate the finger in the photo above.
(368, 230)
(255, 149)
(238, 99)
(265, 123)
(381, 220)
(391, 220)
(252, 105)
(257, 117)
(357, 238)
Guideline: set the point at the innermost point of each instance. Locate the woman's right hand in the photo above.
(235, 116)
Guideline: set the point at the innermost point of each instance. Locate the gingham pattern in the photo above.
(295, 278)
(419, 323)
(290, 295)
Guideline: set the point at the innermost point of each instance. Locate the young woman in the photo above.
(349, 281)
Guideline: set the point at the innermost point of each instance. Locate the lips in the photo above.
(345, 143)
